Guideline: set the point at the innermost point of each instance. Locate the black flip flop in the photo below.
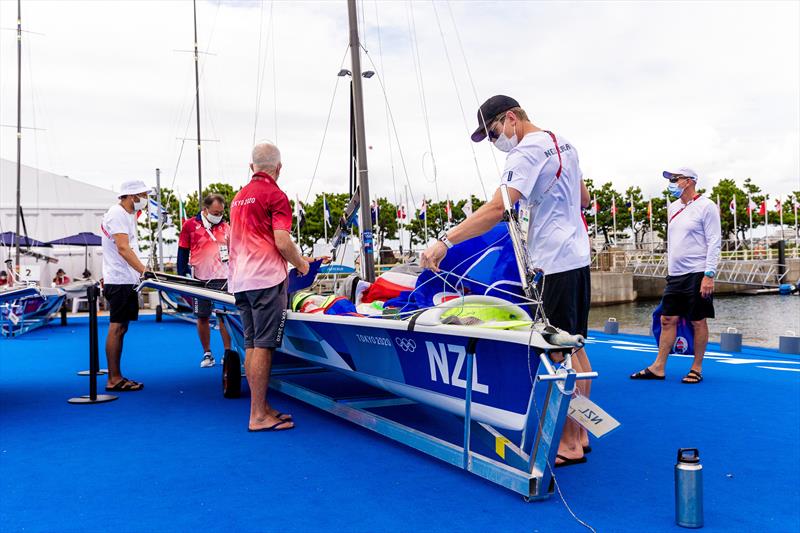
(646, 374)
(273, 427)
(281, 416)
(587, 449)
(692, 378)
(126, 385)
(569, 462)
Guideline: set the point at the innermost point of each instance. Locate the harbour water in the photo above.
(760, 319)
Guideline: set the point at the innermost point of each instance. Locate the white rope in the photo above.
(460, 103)
(325, 130)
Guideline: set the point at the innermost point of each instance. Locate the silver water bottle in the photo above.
(689, 488)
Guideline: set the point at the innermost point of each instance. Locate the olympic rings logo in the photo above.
(407, 345)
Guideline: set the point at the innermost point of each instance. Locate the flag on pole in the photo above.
(326, 212)
(448, 210)
(401, 212)
(613, 205)
(423, 209)
(778, 205)
(299, 213)
(763, 209)
(467, 208)
(375, 210)
(732, 205)
(751, 206)
(157, 212)
(181, 212)
(650, 210)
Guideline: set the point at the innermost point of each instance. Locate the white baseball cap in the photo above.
(133, 187)
(683, 171)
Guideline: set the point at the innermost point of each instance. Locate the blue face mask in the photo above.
(674, 190)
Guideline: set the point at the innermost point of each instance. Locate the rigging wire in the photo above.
(327, 123)
(423, 103)
(388, 128)
(394, 124)
(458, 97)
(259, 73)
(274, 75)
(469, 76)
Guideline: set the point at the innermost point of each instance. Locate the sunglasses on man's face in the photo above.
(490, 133)
(676, 179)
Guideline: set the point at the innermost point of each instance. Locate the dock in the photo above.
(177, 456)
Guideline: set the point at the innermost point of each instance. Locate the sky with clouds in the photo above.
(635, 86)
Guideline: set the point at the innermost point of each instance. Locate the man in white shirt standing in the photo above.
(543, 173)
(121, 272)
(693, 244)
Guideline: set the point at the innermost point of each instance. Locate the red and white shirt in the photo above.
(257, 211)
(204, 242)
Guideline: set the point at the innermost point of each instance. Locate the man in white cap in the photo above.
(121, 272)
(693, 244)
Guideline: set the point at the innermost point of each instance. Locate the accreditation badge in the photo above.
(223, 253)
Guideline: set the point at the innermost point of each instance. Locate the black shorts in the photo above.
(566, 298)
(123, 303)
(202, 308)
(263, 313)
(682, 298)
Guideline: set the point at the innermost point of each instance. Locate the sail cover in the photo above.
(482, 265)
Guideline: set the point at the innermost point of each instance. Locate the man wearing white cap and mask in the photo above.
(693, 245)
(121, 272)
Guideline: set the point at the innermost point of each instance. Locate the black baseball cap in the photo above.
(488, 110)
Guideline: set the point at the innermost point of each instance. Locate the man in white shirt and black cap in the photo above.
(693, 245)
(543, 173)
(121, 272)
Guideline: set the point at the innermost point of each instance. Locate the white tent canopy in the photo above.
(54, 206)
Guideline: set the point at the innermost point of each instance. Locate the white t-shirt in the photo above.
(117, 271)
(557, 237)
(693, 236)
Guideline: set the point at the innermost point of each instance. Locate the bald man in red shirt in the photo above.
(260, 247)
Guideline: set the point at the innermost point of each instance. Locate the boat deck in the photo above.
(177, 456)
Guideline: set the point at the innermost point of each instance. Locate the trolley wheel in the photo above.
(159, 313)
(231, 375)
(63, 312)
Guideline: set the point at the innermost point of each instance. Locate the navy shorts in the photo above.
(263, 313)
(682, 298)
(123, 303)
(566, 298)
(203, 308)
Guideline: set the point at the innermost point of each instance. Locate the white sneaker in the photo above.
(208, 360)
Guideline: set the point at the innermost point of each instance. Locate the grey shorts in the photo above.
(202, 308)
(263, 313)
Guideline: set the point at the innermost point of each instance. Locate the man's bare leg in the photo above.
(584, 386)
(257, 365)
(114, 340)
(204, 332)
(570, 444)
(700, 343)
(669, 329)
(226, 338)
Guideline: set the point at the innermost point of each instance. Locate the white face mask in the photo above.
(213, 219)
(139, 204)
(503, 143)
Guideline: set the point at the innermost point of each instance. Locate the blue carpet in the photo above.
(177, 456)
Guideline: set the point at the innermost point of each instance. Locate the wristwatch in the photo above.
(710, 274)
(443, 237)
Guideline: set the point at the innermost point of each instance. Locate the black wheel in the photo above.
(159, 313)
(64, 314)
(231, 375)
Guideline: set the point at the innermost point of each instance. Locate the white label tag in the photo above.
(223, 253)
(524, 221)
(586, 413)
(13, 318)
